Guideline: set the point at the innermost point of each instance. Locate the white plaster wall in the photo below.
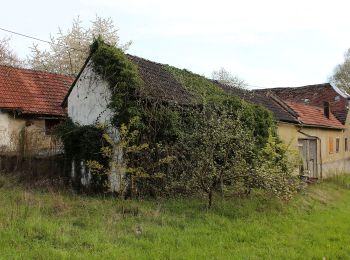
(4, 133)
(336, 167)
(88, 100)
(87, 105)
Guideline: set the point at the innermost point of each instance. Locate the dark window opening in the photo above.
(337, 144)
(50, 125)
(346, 145)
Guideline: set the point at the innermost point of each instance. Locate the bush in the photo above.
(275, 169)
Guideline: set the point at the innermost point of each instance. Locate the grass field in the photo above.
(53, 225)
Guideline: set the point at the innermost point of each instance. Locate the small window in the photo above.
(346, 148)
(337, 144)
(50, 125)
(330, 145)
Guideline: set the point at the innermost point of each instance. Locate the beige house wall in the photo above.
(328, 162)
(26, 136)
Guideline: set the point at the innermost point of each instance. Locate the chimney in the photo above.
(327, 109)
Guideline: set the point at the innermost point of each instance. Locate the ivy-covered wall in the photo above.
(155, 135)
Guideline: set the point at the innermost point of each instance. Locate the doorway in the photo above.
(308, 153)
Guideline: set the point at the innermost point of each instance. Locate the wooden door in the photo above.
(308, 153)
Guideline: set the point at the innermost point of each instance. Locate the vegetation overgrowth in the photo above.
(37, 224)
(218, 142)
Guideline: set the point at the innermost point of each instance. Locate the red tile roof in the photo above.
(33, 92)
(316, 95)
(314, 116)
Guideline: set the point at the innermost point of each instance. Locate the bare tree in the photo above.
(68, 50)
(225, 77)
(7, 56)
(341, 74)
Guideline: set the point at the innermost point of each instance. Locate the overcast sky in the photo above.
(270, 43)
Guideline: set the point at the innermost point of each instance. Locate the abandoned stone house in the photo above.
(30, 106)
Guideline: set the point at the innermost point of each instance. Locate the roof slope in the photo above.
(33, 92)
(279, 113)
(314, 116)
(315, 95)
(159, 83)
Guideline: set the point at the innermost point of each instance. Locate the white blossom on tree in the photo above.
(341, 74)
(68, 50)
(7, 56)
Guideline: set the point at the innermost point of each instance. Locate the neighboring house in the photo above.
(30, 106)
(321, 134)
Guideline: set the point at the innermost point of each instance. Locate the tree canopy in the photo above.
(227, 78)
(69, 49)
(7, 55)
(341, 74)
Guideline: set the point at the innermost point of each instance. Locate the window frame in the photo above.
(346, 144)
(337, 145)
(330, 145)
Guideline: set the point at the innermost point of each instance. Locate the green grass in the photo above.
(53, 225)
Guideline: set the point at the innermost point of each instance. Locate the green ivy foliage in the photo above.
(84, 143)
(122, 75)
(256, 118)
(155, 132)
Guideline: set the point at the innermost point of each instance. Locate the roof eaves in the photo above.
(64, 102)
(321, 126)
(343, 93)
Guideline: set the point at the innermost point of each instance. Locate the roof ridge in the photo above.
(284, 105)
(35, 70)
(298, 87)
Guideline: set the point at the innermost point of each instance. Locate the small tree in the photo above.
(220, 150)
(276, 168)
(225, 77)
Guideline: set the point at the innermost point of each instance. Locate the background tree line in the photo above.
(68, 50)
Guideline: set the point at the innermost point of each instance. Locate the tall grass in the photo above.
(62, 225)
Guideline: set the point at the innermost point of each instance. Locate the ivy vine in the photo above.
(156, 130)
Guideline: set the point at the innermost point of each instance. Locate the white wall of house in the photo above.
(89, 98)
(4, 133)
(87, 105)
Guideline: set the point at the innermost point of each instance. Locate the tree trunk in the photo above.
(210, 198)
(222, 187)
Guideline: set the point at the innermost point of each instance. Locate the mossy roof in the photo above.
(161, 84)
